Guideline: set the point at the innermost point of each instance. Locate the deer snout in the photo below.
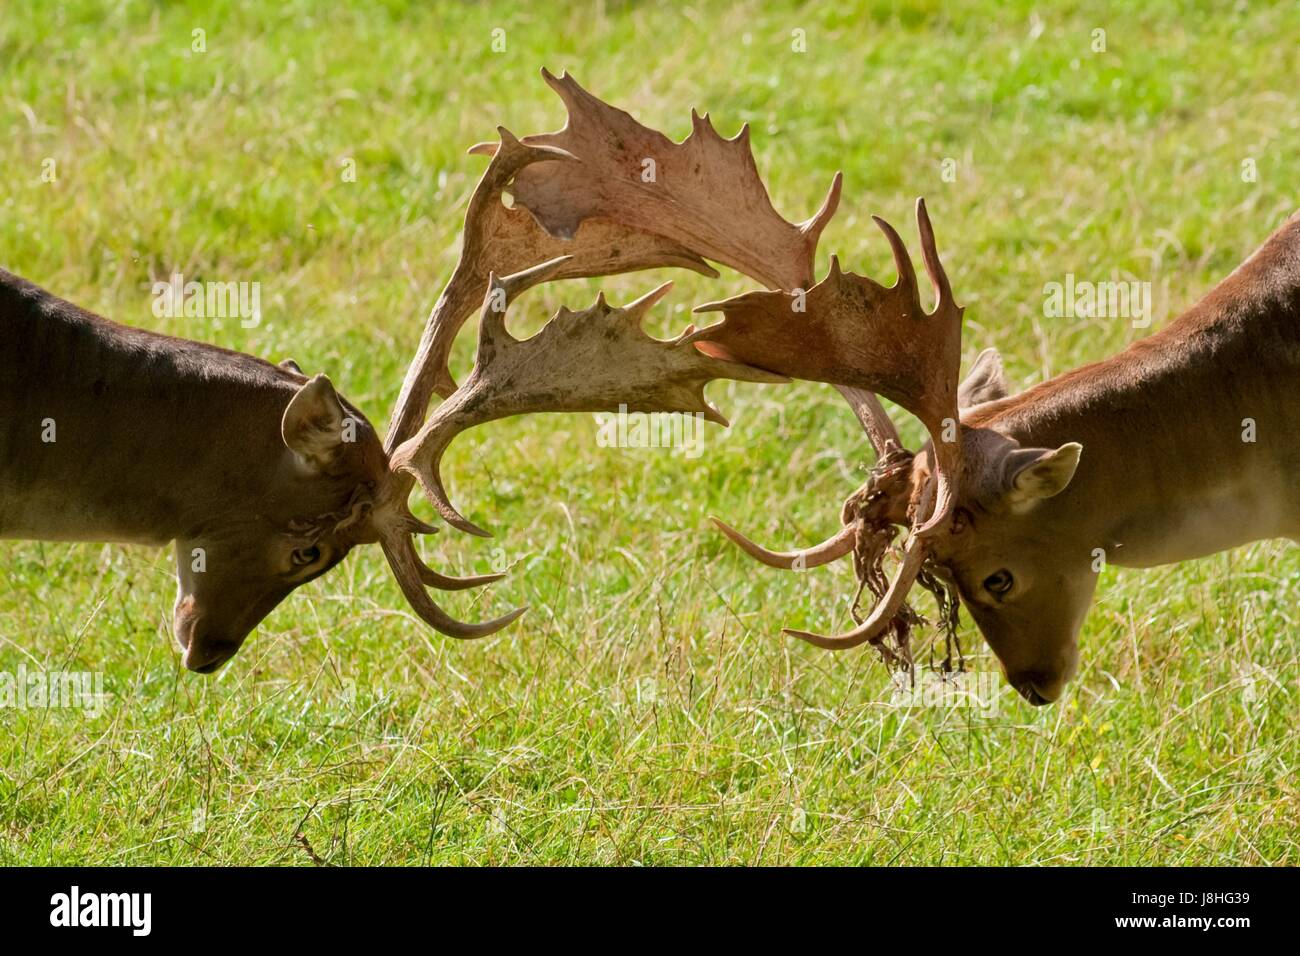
(1042, 681)
(1040, 688)
(202, 652)
(207, 658)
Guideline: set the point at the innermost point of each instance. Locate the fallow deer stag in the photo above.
(265, 479)
(1178, 447)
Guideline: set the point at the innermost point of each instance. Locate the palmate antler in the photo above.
(613, 196)
(603, 195)
(854, 333)
(595, 360)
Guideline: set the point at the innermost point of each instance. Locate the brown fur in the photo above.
(163, 439)
(1164, 473)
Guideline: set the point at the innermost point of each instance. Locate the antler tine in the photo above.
(400, 521)
(882, 615)
(813, 225)
(880, 428)
(595, 360)
(832, 549)
(502, 290)
(902, 261)
(933, 265)
(447, 582)
(410, 572)
(637, 308)
(886, 442)
(948, 453)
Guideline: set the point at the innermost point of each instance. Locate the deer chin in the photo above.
(1030, 692)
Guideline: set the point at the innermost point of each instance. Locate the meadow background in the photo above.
(647, 709)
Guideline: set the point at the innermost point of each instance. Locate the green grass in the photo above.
(647, 709)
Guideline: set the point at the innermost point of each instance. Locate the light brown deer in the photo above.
(1178, 447)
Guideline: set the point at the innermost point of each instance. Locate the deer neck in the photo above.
(1188, 435)
(109, 433)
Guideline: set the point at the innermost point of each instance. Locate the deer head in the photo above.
(974, 502)
(1010, 552)
(312, 484)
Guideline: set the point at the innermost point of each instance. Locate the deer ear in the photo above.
(985, 382)
(312, 426)
(1036, 473)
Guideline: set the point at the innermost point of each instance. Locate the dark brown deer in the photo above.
(265, 479)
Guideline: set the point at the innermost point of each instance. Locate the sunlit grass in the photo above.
(646, 709)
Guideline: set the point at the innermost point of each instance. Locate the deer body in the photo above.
(1168, 472)
(1187, 433)
(116, 434)
(109, 433)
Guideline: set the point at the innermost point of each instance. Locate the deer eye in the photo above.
(305, 556)
(999, 582)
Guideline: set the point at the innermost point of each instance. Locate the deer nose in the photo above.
(203, 653)
(1036, 687)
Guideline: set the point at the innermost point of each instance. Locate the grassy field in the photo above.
(647, 709)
